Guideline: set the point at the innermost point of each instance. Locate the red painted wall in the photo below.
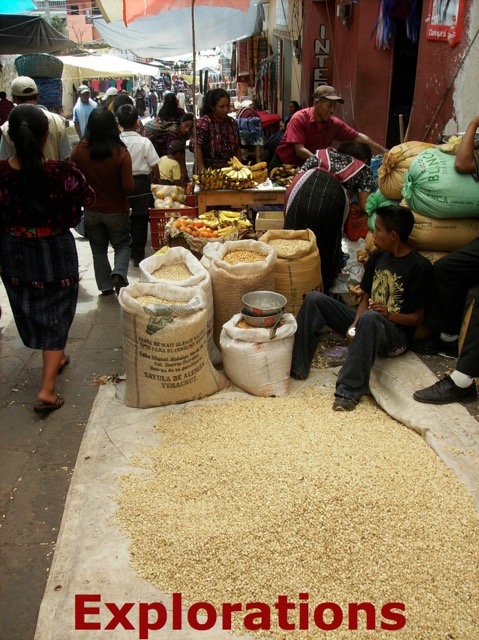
(438, 65)
(346, 57)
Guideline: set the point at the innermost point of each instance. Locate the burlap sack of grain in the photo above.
(433, 187)
(255, 363)
(297, 270)
(375, 201)
(165, 346)
(395, 165)
(442, 234)
(231, 281)
(199, 277)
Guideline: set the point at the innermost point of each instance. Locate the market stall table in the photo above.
(239, 198)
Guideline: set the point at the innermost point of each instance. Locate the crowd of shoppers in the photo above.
(41, 197)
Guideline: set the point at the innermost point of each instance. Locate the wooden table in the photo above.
(238, 198)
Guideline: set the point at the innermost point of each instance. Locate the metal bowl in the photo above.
(264, 322)
(263, 303)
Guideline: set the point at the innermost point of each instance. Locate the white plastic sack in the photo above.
(255, 363)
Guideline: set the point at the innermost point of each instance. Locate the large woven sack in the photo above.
(165, 346)
(297, 271)
(374, 201)
(231, 281)
(255, 363)
(434, 188)
(432, 256)
(199, 277)
(442, 234)
(396, 163)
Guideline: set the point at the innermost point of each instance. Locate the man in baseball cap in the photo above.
(82, 109)
(316, 128)
(25, 91)
(109, 97)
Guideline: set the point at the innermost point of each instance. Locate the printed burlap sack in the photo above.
(298, 268)
(165, 345)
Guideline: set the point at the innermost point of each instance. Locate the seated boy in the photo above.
(170, 170)
(395, 287)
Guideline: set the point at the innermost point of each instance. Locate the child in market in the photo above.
(169, 165)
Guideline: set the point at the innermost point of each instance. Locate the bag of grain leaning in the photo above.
(435, 189)
(375, 201)
(165, 345)
(180, 267)
(238, 267)
(254, 362)
(395, 164)
(442, 234)
(298, 266)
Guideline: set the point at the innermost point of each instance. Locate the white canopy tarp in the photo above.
(170, 33)
(108, 66)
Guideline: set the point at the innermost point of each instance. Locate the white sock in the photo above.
(461, 379)
(448, 337)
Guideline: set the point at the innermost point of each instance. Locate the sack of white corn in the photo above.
(238, 267)
(255, 363)
(433, 187)
(180, 267)
(395, 164)
(442, 234)
(298, 267)
(165, 345)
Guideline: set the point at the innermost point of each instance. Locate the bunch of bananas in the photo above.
(209, 179)
(237, 176)
(259, 172)
(232, 222)
(225, 222)
(283, 175)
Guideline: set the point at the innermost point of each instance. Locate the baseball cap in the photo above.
(111, 92)
(330, 93)
(23, 86)
(83, 89)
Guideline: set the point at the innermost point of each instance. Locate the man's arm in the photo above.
(301, 151)
(406, 319)
(375, 147)
(465, 162)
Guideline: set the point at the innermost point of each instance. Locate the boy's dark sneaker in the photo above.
(437, 347)
(445, 391)
(118, 282)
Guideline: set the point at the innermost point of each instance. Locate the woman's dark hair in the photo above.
(102, 134)
(295, 105)
(188, 117)
(27, 127)
(211, 100)
(120, 100)
(359, 150)
(170, 109)
(127, 116)
(398, 219)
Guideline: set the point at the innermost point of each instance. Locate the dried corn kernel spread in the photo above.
(243, 255)
(253, 499)
(175, 271)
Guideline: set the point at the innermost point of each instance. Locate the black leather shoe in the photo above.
(445, 391)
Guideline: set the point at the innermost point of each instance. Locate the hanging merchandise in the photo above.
(390, 11)
(445, 21)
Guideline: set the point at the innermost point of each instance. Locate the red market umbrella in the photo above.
(134, 9)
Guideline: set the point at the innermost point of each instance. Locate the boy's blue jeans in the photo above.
(374, 336)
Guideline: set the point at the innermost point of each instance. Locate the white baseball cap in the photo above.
(24, 86)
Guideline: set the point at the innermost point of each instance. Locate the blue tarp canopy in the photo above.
(16, 6)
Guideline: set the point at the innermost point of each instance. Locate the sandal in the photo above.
(65, 364)
(46, 407)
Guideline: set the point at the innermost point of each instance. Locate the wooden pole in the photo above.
(401, 128)
(193, 44)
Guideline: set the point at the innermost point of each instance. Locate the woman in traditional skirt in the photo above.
(319, 197)
(39, 201)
